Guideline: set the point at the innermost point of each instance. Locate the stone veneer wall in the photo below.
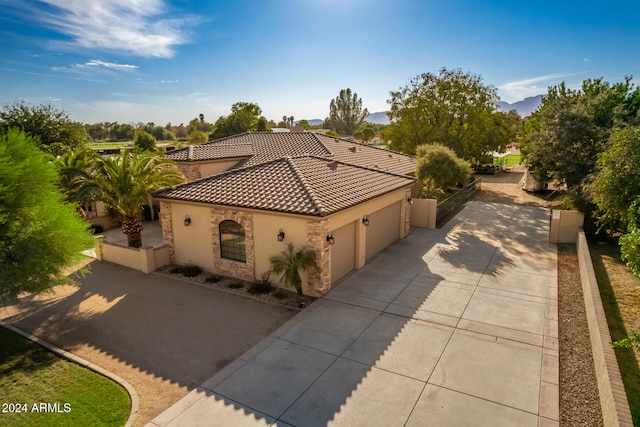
(190, 171)
(407, 212)
(229, 267)
(167, 228)
(319, 278)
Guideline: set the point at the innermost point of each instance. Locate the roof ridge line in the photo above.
(315, 135)
(366, 145)
(320, 209)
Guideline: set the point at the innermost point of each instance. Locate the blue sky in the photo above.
(170, 60)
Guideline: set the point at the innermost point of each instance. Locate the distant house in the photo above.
(251, 194)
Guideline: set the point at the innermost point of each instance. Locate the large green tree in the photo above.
(438, 168)
(244, 117)
(53, 130)
(452, 108)
(571, 128)
(40, 233)
(615, 187)
(145, 141)
(346, 113)
(125, 182)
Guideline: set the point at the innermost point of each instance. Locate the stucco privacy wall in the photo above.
(198, 243)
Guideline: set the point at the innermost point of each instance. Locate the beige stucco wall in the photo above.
(213, 168)
(192, 244)
(564, 226)
(266, 226)
(423, 213)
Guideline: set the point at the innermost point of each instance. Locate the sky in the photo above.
(165, 61)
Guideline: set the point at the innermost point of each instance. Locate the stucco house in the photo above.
(251, 194)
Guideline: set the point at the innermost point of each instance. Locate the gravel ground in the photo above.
(579, 399)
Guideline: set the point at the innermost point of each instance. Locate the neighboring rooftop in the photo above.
(308, 185)
(260, 147)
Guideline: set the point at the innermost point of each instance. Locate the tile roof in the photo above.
(210, 151)
(260, 147)
(307, 185)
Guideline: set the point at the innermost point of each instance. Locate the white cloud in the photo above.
(517, 90)
(111, 65)
(134, 26)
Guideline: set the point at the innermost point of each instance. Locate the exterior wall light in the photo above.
(410, 200)
(280, 235)
(330, 239)
(365, 221)
(187, 221)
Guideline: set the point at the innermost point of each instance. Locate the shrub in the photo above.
(235, 285)
(189, 270)
(213, 278)
(280, 294)
(261, 286)
(630, 249)
(96, 228)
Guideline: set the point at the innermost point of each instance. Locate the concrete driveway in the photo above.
(450, 327)
(164, 336)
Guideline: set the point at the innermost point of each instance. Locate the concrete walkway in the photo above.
(456, 326)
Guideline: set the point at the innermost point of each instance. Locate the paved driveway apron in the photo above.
(456, 326)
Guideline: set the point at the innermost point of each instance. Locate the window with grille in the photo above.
(232, 241)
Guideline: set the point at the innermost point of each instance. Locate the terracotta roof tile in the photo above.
(210, 151)
(306, 185)
(260, 147)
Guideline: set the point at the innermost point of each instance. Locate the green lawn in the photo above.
(508, 160)
(108, 145)
(31, 376)
(620, 292)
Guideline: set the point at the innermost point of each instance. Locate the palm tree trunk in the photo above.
(132, 227)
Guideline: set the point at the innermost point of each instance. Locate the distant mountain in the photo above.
(314, 122)
(379, 118)
(524, 107)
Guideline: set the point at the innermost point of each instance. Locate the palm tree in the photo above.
(289, 263)
(75, 169)
(125, 182)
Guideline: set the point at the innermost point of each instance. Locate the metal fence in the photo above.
(448, 207)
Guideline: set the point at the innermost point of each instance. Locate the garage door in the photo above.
(383, 229)
(343, 252)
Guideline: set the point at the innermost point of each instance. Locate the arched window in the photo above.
(232, 241)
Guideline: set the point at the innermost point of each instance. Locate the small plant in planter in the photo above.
(189, 270)
(213, 278)
(261, 286)
(235, 285)
(279, 294)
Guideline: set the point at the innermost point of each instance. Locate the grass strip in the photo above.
(620, 293)
(38, 388)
